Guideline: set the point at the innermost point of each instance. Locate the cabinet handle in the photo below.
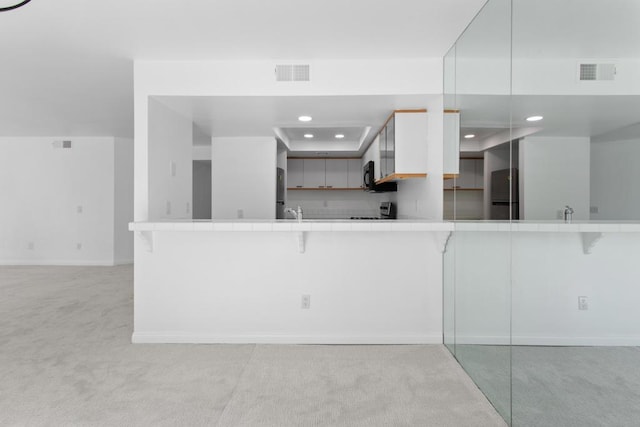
(329, 186)
(298, 186)
(320, 186)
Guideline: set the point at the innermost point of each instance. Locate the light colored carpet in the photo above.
(559, 386)
(66, 360)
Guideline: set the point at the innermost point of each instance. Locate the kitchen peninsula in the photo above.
(374, 282)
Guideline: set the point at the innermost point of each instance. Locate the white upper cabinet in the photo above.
(314, 173)
(451, 165)
(295, 173)
(324, 174)
(336, 173)
(354, 173)
(403, 154)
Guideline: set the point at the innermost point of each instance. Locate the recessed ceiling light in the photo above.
(305, 118)
(339, 136)
(469, 136)
(534, 118)
(308, 135)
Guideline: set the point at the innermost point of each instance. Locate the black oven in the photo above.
(369, 180)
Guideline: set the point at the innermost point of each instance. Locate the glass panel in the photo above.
(576, 327)
(383, 154)
(483, 89)
(391, 146)
(481, 296)
(448, 294)
(576, 333)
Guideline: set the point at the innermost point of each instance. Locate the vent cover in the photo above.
(292, 73)
(62, 144)
(597, 72)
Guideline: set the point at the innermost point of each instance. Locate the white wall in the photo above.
(615, 179)
(123, 200)
(542, 76)
(337, 204)
(554, 173)
(543, 279)
(251, 78)
(170, 142)
(42, 189)
(243, 171)
(247, 287)
(202, 152)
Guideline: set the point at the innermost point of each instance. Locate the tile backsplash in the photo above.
(335, 204)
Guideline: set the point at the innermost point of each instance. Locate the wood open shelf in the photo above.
(400, 176)
(450, 175)
(323, 189)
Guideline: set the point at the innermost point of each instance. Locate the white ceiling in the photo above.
(358, 117)
(67, 64)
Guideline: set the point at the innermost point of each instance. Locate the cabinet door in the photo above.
(381, 167)
(295, 173)
(336, 173)
(467, 178)
(479, 173)
(391, 148)
(451, 160)
(314, 173)
(354, 179)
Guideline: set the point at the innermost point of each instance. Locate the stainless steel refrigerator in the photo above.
(504, 194)
(279, 193)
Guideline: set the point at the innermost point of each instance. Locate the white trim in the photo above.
(623, 341)
(125, 261)
(190, 338)
(61, 262)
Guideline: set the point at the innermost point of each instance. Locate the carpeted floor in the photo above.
(66, 360)
(559, 386)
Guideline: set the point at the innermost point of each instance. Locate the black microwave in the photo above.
(369, 180)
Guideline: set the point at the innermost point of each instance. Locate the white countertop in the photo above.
(550, 226)
(385, 225)
(292, 225)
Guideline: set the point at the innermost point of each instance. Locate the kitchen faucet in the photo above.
(297, 214)
(568, 213)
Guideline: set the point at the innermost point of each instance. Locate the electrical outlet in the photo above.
(593, 209)
(168, 211)
(79, 209)
(79, 246)
(305, 302)
(583, 303)
(188, 207)
(240, 213)
(31, 246)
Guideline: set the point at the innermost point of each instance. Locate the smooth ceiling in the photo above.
(67, 65)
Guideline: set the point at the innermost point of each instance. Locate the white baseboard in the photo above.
(611, 341)
(57, 262)
(189, 338)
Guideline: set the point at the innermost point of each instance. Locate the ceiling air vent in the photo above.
(292, 73)
(62, 144)
(597, 72)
